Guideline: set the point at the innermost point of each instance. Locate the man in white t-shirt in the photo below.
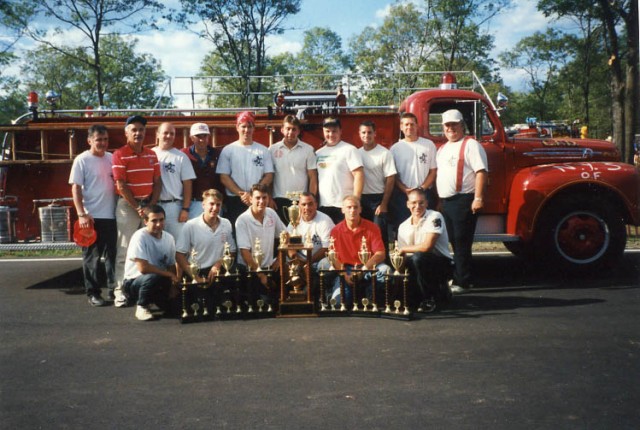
(150, 267)
(177, 178)
(423, 239)
(206, 235)
(380, 174)
(294, 162)
(462, 176)
(94, 198)
(415, 159)
(242, 164)
(340, 170)
(259, 222)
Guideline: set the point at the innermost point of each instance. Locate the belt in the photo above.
(170, 201)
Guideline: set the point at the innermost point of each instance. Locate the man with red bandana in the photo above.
(242, 164)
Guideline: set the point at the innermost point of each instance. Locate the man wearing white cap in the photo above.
(204, 160)
(461, 180)
(177, 175)
(242, 164)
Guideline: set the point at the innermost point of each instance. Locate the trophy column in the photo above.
(296, 297)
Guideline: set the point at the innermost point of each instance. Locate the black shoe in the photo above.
(111, 296)
(427, 306)
(95, 300)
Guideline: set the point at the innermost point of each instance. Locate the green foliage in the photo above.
(123, 70)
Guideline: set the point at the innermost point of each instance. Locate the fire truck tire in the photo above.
(581, 233)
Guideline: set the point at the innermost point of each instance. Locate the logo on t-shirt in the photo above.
(170, 167)
(258, 161)
(437, 222)
(423, 158)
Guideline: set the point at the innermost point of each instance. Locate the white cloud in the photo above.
(281, 44)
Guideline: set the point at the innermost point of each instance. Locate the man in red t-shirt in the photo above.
(347, 236)
(136, 173)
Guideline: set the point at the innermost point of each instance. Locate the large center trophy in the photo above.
(293, 214)
(295, 265)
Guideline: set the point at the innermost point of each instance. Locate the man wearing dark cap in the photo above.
(136, 172)
(242, 164)
(340, 170)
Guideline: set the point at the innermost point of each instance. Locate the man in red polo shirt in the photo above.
(347, 236)
(136, 172)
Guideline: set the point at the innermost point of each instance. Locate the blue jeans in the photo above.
(147, 289)
(332, 282)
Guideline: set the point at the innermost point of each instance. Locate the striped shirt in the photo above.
(137, 170)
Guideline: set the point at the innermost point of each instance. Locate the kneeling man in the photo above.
(150, 266)
(347, 236)
(423, 239)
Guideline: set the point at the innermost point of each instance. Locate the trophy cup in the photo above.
(260, 304)
(397, 259)
(364, 253)
(293, 213)
(332, 256)
(227, 304)
(194, 268)
(257, 254)
(227, 259)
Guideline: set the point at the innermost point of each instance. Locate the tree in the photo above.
(91, 18)
(619, 20)
(541, 56)
(321, 54)
(238, 30)
(130, 80)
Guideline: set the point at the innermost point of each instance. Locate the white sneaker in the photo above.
(457, 289)
(120, 300)
(143, 314)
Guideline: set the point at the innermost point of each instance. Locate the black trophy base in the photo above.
(292, 309)
(361, 313)
(393, 315)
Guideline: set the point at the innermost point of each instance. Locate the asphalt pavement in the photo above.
(526, 349)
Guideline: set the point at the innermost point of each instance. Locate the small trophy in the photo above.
(257, 254)
(365, 304)
(284, 240)
(397, 304)
(308, 240)
(260, 304)
(293, 213)
(194, 268)
(397, 259)
(227, 259)
(227, 304)
(332, 256)
(333, 303)
(364, 253)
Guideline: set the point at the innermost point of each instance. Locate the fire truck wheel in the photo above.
(581, 233)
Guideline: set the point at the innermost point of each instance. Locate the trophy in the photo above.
(194, 268)
(260, 304)
(397, 259)
(308, 240)
(364, 253)
(257, 254)
(332, 256)
(227, 259)
(295, 280)
(284, 240)
(227, 304)
(293, 213)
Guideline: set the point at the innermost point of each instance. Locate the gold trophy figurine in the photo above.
(227, 259)
(194, 268)
(397, 259)
(364, 253)
(257, 254)
(293, 213)
(332, 256)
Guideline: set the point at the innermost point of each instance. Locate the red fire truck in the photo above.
(566, 200)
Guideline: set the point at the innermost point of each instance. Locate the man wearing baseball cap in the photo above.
(242, 164)
(462, 176)
(204, 160)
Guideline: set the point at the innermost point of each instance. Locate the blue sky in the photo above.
(181, 52)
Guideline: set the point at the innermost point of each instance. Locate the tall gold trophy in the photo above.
(364, 253)
(332, 255)
(397, 259)
(194, 267)
(293, 213)
(258, 254)
(227, 259)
